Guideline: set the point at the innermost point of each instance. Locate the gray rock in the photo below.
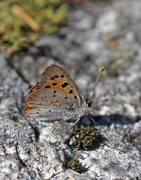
(31, 148)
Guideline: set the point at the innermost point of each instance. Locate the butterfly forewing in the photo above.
(56, 78)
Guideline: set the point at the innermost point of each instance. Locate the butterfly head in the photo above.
(89, 102)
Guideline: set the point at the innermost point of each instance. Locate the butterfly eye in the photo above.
(89, 102)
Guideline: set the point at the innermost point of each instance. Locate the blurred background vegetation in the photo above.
(21, 22)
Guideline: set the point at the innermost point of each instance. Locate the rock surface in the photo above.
(96, 36)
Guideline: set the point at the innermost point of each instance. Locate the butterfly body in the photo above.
(56, 96)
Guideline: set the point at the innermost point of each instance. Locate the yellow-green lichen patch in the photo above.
(75, 165)
(83, 137)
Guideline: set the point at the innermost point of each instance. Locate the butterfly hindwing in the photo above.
(52, 104)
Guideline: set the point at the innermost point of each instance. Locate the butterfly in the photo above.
(56, 97)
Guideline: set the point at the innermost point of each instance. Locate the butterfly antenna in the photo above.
(96, 81)
(103, 100)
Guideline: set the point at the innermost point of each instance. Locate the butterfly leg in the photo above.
(77, 122)
(62, 121)
(93, 121)
(73, 125)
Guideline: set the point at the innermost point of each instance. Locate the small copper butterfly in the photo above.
(56, 96)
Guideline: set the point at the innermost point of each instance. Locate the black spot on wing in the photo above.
(47, 86)
(75, 97)
(54, 84)
(52, 78)
(70, 91)
(62, 76)
(65, 84)
(56, 76)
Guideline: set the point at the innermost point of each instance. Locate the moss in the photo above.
(83, 137)
(23, 21)
(75, 165)
(101, 1)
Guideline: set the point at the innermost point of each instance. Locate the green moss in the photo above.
(83, 137)
(17, 33)
(75, 165)
(101, 1)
